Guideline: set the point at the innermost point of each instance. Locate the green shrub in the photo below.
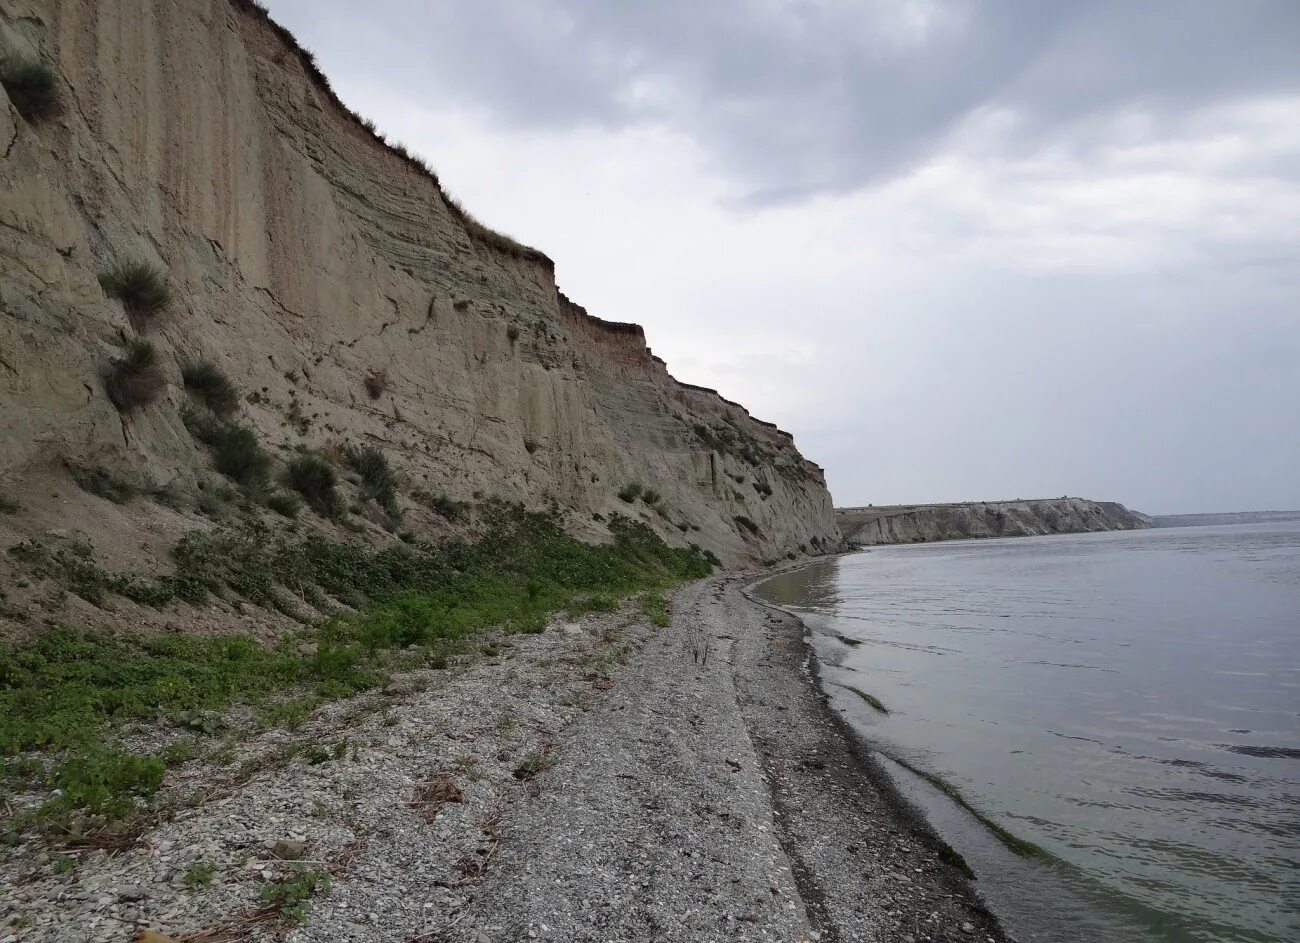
(599, 602)
(314, 478)
(235, 450)
(377, 479)
(33, 87)
(283, 503)
(102, 781)
(630, 492)
(217, 391)
(440, 504)
(135, 379)
(656, 609)
(199, 874)
(746, 524)
(140, 286)
(292, 896)
(650, 496)
(105, 483)
(512, 333)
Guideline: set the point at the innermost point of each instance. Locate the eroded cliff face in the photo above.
(902, 524)
(304, 256)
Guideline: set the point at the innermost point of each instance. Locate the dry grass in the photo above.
(434, 793)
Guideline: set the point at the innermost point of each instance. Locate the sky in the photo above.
(962, 249)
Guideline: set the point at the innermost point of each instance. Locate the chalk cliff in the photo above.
(327, 273)
(900, 524)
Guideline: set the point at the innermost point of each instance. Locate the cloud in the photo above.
(797, 97)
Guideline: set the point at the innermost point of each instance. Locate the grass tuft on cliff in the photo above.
(235, 449)
(378, 482)
(217, 391)
(140, 286)
(314, 478)
(32, 85)
(135, 379)
(64, 694)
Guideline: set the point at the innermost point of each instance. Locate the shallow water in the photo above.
(1130, 702)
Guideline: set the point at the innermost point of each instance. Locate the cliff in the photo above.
(899, 524)
(351, 301)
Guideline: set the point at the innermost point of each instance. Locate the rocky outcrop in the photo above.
(915, 523)
(329, 275)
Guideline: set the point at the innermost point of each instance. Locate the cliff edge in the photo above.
(348, 299)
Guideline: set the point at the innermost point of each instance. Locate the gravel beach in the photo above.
(608, 780)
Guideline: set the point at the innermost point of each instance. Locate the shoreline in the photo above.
(610, 779)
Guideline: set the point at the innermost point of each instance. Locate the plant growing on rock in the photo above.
(32, 85)
(377, 479)
(135, 379)
(235, 449)
(314, 478)
(205, 380)
(140, 286)
(630, 492)
(650, 496)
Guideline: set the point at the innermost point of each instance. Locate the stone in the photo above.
(288, 849)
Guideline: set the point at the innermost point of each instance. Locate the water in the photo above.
(1130, 702)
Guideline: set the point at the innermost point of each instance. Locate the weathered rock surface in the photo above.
(306, 256)
(901, 524)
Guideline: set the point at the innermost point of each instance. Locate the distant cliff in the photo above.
(916, 523)
(1230, 517)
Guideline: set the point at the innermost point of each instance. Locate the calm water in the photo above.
(1130, 702)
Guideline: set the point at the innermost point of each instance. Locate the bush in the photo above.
(140, 286)
(650, 496)
(209, 384)
(377, 479)
(235, 449)
(105, 483)
(746, 524)
(32, 85)
(440, 504)
(8, 505)
(135, 379)
(631, 492)
(314, 478)
(283, 503)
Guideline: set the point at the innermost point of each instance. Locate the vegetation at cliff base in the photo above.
(65, 691)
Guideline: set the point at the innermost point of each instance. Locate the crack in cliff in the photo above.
(276, 301)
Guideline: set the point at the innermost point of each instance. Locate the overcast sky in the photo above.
(962, 249)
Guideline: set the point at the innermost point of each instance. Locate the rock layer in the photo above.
(329, 275)
(901, 524)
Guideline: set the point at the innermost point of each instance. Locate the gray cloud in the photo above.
(797, 98)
